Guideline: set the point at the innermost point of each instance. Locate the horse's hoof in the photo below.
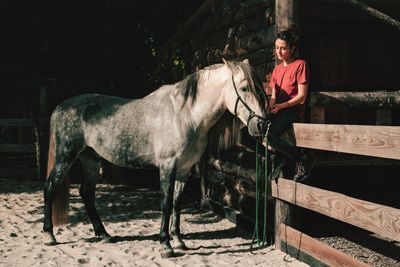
(51, 239)
(167, 254)
(51, 243)
(105, 238)
(182, 246)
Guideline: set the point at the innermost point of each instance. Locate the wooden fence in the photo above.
(367, 140)
(232, 179)
(17, 101)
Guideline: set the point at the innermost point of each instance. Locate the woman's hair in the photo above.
(290, 36)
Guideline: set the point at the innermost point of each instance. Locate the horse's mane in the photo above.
(189, 85)
(225, 133)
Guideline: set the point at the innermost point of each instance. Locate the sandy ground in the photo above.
(133, 218)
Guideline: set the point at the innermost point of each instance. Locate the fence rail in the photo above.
(377, 141)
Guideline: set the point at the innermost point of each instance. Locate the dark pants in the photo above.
(279, 124)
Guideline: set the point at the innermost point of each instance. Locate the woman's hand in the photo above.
(271, 105)
(275, 108)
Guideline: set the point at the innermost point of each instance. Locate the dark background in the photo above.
(106, 46)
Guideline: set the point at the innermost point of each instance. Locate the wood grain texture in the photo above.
(315, 248)
(378, 141)
(354, 99)
(379, 219)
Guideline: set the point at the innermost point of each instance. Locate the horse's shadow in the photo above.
(230, 233)
(119, 239)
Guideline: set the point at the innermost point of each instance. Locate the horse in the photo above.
(167, 129)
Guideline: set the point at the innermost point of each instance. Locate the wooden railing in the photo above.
(377, 141)
(357, 145)
(38, 123)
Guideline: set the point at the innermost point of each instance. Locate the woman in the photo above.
(289, 86)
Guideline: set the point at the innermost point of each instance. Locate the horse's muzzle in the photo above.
(258, 126)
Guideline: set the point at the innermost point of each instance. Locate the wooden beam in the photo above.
(354, 99)
(21, 122)
(314, 248)
(375, 13)
(379, 219)
(233, 216)
(286, 14)
(377, 141)
(16, 148)
(284, 214)
(232, 168)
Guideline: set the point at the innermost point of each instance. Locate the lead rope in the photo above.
(256, 233)
(266, 184)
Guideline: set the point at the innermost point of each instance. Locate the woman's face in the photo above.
(283, 50)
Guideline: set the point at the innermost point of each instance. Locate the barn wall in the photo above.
(347, 50)
(233, 30)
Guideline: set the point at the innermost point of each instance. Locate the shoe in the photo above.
(277, 164)
(304, 167)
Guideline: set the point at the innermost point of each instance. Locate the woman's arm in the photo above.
(300, 98)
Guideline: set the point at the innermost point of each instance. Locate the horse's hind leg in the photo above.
(59, 171)
(175, 225)
(91, 166)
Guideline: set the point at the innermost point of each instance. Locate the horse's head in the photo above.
(244, 99)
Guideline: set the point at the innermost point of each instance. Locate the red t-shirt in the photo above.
(285, 80)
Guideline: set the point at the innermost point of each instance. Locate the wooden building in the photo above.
(352, 50)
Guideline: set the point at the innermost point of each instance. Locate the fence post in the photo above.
(286, 14)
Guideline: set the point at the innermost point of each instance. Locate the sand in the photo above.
(132, 216)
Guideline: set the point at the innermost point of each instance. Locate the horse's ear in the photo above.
(226, 63)
(246, 61)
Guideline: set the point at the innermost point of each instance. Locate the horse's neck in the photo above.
(209, 105)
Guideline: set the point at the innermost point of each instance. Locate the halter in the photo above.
(252, 114)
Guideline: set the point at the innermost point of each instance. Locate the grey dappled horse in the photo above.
(167, 129)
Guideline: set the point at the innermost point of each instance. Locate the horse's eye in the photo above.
(245, 89)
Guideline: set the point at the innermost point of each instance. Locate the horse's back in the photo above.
(69, 118)
(111, 126)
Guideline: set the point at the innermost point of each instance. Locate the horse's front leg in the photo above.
(167, 181)
(175, 226)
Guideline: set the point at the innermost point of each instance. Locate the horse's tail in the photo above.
(61, 194)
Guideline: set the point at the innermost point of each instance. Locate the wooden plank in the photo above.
(21, 122)
(232, 168)
(283, 215)
(234, 216)
(242, 161)
(354, 99)
(14, 148)
(378, 141)
(379, 219)
(20, 174)
(375, 13)
(287, 13)
(316, 249)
